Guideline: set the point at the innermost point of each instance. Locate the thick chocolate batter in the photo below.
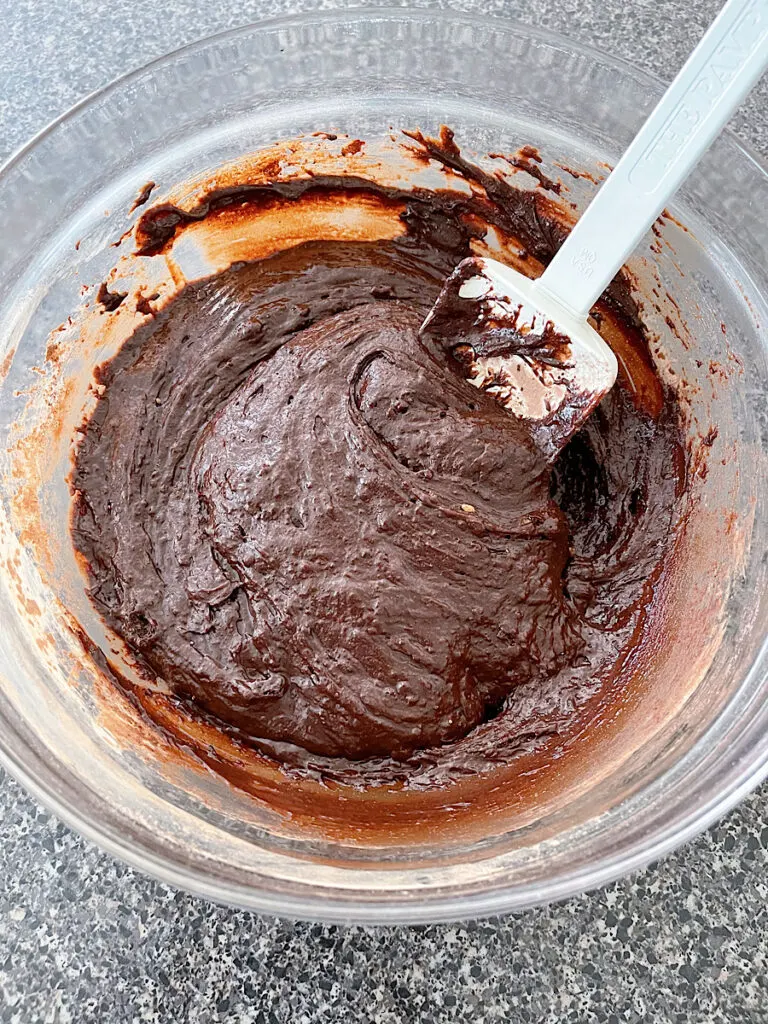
(306, 524)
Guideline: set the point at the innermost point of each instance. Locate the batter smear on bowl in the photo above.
(312, 531)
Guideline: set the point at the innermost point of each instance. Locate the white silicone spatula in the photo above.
(558, 368)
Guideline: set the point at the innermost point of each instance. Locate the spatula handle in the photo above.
(712, 83)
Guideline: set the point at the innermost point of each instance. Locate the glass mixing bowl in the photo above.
(681, 751)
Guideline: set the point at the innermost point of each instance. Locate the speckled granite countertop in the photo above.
(84, 939)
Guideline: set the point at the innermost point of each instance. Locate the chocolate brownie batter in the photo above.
(312, 530)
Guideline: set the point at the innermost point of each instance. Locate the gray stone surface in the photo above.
(85, 939)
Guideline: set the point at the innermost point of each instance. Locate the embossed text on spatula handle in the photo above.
(710, 85)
